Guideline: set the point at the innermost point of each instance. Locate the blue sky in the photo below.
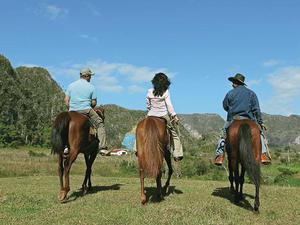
(197, 43)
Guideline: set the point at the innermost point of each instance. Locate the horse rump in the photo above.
(149, 147)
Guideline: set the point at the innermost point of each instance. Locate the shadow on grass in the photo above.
(152, 196)
(78, 193)
(225, 192)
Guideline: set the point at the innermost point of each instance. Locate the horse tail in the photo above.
(246, 154)
(151, 152)
(59, 136)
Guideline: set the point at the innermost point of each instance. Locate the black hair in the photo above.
(160, 83)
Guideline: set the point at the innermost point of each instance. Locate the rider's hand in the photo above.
(176, 119)
(263, 126)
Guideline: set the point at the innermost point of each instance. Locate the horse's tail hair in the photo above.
(246, 154)
(59, 135)
(151, 153)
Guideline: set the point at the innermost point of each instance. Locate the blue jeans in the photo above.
(221, 142)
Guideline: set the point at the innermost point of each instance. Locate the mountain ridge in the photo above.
(31, 99)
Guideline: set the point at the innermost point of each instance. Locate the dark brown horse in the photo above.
(72, 129)
(152, 141)
(244, 147)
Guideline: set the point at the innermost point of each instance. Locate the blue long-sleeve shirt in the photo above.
(242, 101)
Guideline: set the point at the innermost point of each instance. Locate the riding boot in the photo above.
(220, 152)
(219, 160)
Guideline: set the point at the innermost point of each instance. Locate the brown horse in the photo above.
(152, 141)
(244, 147)
(72, 129)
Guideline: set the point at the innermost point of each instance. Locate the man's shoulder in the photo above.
(74, 82)
(249, 90)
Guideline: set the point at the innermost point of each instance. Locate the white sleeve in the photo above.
(169, 104)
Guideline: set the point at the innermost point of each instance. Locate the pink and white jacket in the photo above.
(159, 106)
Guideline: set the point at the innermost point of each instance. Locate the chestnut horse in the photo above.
(244, 147)
(72, 129)
(152, 141)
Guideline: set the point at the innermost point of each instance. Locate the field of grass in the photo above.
(28, 161)
(33, 200)
(29, 188)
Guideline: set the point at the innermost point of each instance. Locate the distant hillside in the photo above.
(200, 125)
(30, 100)
(119, 121)
(283, 130)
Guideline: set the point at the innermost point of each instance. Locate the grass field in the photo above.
(29, 188)
(33, 200)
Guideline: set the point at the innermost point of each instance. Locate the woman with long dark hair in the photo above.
(159, 104)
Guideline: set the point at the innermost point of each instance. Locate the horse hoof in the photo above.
(62, 196)
(143, 200)
(84, 191)
(256, 209)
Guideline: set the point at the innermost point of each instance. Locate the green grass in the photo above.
(33, 200)
(29, 161)
(29, 188)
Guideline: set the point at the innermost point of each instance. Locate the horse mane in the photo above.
(150, 146)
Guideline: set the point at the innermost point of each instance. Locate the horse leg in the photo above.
(158, 185)
(242, 179)
(87, 172)
(230, 177)
(256, 203)
(60, 172)
(67, 166)
(170, 170)
(143, 196)
(92, 158)
(236, 181)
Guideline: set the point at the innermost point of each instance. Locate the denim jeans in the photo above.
(221, 142)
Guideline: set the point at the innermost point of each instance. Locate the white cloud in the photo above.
(108, 84)
(138, 74)
(53, 12)
(271, 62)
(28, 65)
(252, 83)
(111, 77)
(136, 89)
(286, 85)
(88, 37)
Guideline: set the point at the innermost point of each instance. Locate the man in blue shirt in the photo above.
(81, 97)
(241, 103)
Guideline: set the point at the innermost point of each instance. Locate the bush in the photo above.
(128, 167)
(202, 167)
